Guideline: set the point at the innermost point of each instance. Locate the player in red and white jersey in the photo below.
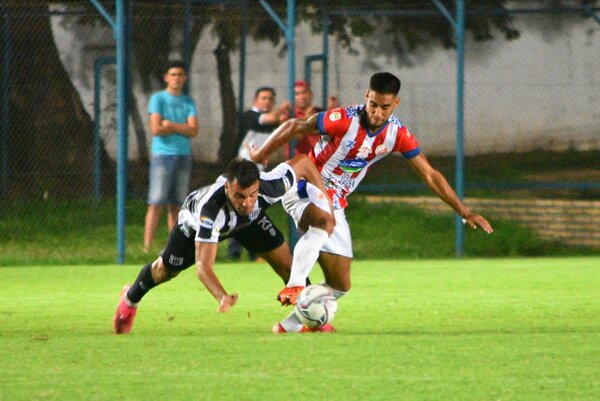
(349, 148)
(353, 139)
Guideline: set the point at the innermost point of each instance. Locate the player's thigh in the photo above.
(180, 251)
(336, 269)
(340, 240)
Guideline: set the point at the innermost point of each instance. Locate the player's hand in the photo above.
(227, 302)
(475, 220)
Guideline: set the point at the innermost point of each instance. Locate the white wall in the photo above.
(541, 91)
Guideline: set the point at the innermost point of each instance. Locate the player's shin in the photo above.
(306, 253)
(143, 283)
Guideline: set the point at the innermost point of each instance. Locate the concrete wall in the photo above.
(541, 91)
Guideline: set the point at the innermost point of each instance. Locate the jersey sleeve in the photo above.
(210, 223)
(334, 122)
(275, 183)
(192, 109)
(406, 143)
(155, 104)
(251, 120)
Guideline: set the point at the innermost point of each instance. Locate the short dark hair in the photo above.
(264, 89)
(175, 64)
(384, 82)
(244, 171)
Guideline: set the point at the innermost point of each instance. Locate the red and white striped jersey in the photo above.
(348, 149)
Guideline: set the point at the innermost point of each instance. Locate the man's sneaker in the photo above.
(288, 295)
(326, 328)
(124, 315)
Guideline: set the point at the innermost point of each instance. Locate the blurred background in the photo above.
(531, 107)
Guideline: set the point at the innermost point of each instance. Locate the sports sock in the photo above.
(306, 253)
(336, 293)
(143, 283)
(291, 324)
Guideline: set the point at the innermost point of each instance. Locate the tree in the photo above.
(51, 135)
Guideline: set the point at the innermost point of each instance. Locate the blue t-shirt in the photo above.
(176, 109)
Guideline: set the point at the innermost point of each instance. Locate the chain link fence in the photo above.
(532, 99)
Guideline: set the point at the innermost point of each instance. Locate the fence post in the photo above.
(460, 157)
(6, 55)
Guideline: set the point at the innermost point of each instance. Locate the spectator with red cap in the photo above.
(303, 98)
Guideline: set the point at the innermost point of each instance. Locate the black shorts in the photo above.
(258, 237)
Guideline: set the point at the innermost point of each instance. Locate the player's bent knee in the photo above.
(160, 272)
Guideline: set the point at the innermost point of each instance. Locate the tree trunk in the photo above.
(229, 134)
(50, 141)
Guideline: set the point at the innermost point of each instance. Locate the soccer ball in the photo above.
(315, 306)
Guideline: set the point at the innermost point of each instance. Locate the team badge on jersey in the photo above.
(381, 149)
(363, 152)
(336, 115)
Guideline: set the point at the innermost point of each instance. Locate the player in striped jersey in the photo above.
(352, 140)
(234, 206)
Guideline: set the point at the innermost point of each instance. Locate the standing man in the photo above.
(259, 122)
(262, 119)
(304, 108)
(173, 121)
(354, 138)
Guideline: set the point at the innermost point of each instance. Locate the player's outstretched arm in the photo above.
(282, 135)
(439, 185)
(206, 254)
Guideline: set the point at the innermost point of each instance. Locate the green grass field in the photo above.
(499, 329)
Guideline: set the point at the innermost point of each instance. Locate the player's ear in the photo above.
(397, 101)
(367, 95)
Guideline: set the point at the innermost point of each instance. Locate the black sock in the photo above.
(143, 283)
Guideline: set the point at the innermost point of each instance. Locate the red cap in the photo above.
(302, 84)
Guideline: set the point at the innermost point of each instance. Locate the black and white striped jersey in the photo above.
(208, 212)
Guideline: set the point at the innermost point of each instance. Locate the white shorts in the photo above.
(340, 241)
(297, 199)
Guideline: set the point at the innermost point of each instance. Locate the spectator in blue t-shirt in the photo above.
(173, 121)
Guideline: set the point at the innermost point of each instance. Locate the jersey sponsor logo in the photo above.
(206, 222)
(336, 115)
(381, 149)
(175, 260)
(353, 166)
(363, 152)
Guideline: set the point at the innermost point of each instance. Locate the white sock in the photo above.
(306, 253)
(291, 324)
(336, 293)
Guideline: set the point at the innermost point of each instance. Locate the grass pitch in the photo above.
(506, 329)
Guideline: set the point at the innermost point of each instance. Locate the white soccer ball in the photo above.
(315, 306)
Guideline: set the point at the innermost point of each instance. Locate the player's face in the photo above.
(175, 78)
(302, 97)
(242, 199)
(264, 101)
(380, 107)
